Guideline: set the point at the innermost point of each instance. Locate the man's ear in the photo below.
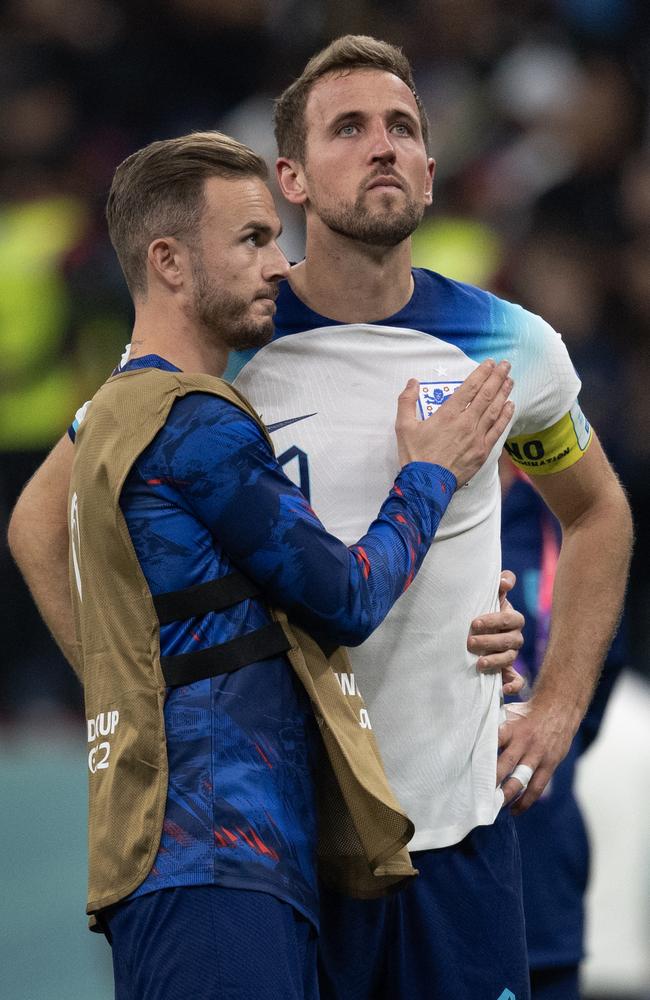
(291, 180)
(431, 170)
(169, 260)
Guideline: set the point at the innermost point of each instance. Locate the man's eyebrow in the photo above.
(262, 227)
(404, 113)
(344, 116)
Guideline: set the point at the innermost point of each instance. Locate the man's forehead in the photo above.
(239, 200)
(357, 90)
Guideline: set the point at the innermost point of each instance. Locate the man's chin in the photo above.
(377, 225)
(384, 230)
(256, 335)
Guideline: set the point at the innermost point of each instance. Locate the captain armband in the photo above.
(554, 449)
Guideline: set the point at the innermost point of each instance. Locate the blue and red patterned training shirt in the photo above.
(207, 495)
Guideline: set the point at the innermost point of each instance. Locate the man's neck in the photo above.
(177, 341)
(351, 282)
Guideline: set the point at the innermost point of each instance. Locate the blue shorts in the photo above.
(456, 931)
(210, 943)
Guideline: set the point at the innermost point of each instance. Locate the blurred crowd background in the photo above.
(541, 132)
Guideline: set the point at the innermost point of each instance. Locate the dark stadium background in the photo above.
(541, 130)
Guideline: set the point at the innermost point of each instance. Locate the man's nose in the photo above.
(382, 149)
(276, 265)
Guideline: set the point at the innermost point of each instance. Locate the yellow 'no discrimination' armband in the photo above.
(556, 448)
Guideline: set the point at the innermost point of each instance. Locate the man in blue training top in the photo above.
(228, 904)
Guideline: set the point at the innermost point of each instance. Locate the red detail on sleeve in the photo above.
(361, 555)
(411, 576)
(401, 519)
(263, 756)
(398, 490)
(161, 480)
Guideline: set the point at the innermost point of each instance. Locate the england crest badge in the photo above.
(433, 395)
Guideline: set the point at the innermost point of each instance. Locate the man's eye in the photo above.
(348, 130)
(401, 128)
(254, 239)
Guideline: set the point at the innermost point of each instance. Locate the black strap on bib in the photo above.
(185, 668)
(215, 595)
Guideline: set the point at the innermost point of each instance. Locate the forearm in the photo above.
(587, 601)
(50, 590)
(357, 588)
(38, 540)
(263, 522)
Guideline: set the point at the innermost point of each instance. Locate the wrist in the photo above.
(415, 469)
(564, 715)
(428, 489)
(427, 481)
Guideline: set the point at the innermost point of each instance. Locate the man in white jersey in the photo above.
(351, 319)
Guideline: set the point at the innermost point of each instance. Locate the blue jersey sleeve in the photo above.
(213, 460)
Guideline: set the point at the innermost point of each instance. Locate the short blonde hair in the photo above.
(347, 53)
(158, 191)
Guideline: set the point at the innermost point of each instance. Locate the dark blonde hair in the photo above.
(344, 54)
(158, 191)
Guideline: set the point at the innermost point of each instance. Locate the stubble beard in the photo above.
(226, 316)
(385, 227)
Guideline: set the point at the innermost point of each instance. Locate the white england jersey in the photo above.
(328, 391)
